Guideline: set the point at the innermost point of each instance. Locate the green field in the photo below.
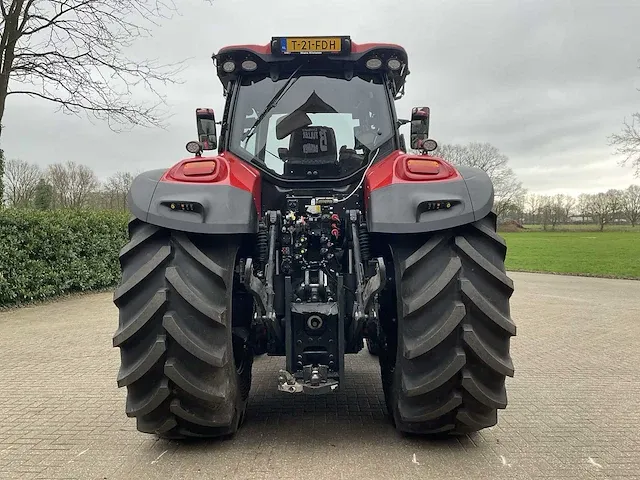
(602, 254)
(576, 227)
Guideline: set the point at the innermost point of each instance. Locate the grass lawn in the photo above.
(602, 254)
(576, 227)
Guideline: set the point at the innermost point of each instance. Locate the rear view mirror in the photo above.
(206, 123)
(419, 127)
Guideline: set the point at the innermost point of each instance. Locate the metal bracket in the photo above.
(255, 286)
(262, 290)
(376, 283)
(366, 289)
(358, 313)
(365, 292)
(329, 386)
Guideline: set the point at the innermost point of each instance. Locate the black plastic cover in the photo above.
(416, 207)
(208, 208)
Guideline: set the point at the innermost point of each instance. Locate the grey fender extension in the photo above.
(220, 209)
(416, 207)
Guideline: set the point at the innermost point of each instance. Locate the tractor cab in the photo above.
(309, 108)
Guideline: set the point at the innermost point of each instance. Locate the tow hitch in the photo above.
(315, 381)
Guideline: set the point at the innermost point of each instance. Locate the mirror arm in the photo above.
(206, 125)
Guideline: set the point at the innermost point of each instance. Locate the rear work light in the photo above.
(425, 167)
(249, 65)
(194, 147)
(229, 66)
(394, 64)
(374, 63)
(205, 167)
(197, 170)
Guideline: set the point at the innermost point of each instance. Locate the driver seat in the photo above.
(311, 149)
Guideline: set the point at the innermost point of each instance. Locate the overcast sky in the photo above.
(544, 81)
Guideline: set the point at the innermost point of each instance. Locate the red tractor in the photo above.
(311, 230)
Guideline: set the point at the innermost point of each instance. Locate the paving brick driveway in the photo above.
(574, 404)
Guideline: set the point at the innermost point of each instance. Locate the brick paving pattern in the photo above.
(573, 406)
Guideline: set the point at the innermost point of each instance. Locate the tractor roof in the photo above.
(283, 55)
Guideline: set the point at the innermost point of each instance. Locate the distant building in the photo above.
(581, 219)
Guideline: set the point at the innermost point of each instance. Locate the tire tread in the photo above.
(446, 370)
(175, 334)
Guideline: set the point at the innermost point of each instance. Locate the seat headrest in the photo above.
(313, 144)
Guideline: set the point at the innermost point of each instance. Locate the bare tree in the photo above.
(600, 208)
(509, 191)
(556, 210)
(546, 211)
(481, 155)
(532, 207)
(73, 53)
(569, 205)
(21, 181)
(453, 153)
(615, 199)
(631, 204)
(559, 206)
(511, 211)
(584, 207)
(117, 186)
(627, 143)
(72, 184)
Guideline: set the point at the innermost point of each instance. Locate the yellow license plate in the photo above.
(313, 45)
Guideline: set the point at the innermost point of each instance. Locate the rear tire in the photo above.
(186, 373)
(445, 360)
(373, 347)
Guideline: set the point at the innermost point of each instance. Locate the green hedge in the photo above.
(44, 254)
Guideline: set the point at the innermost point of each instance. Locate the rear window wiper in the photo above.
(272, 104)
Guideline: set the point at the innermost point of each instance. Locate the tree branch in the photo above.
(25, 16)
(119, 114)
(74, 53)
(52, 21)
(627, 143)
